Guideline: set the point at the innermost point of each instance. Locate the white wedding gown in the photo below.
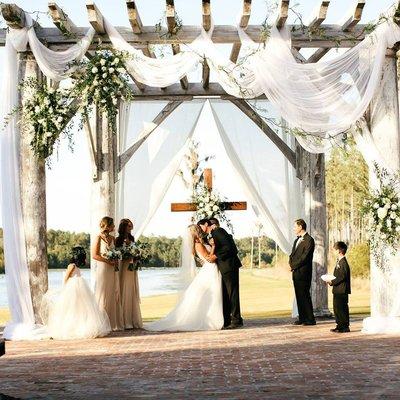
(200, 307)
(73, 313)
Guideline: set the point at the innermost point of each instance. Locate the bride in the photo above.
(200, 306)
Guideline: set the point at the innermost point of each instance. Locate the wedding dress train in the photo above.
(200, 307)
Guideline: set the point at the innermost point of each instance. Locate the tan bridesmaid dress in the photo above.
(130, 297)
(107, 290)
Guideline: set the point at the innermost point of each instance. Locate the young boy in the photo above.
(341, 289)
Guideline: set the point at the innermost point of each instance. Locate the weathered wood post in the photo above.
(384, 125)
(33, 194)
(311, 170)
(104, 157)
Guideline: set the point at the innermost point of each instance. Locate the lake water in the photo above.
(154, 281)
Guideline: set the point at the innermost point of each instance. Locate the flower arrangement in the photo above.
(209, 205)
(46, 113)
(103, 81)
(113, 255)
(382, 208)
(138, 252)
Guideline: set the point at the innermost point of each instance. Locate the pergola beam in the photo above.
(95, 17)
(355, 16)
(301, 38)
(320, 15)
(171, 26)
(244, 22)
(206, 9)
(282, 13)
(269, 132)
(161, 116)
(14, 17)
(61, 19)
(317, 55)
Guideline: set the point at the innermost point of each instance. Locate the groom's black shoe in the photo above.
(235, 325)
(309, 323)
(297, 322)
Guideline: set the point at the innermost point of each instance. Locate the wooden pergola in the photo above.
(108, 163)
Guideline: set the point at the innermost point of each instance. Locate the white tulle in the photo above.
(187, 268)
(200, 307)
(73, 313)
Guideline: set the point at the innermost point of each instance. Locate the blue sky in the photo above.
(68, 181)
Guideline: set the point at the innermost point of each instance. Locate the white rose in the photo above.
(207, 208)
(387, 206)
(398, 220)
(104, 75)
(116, 61)
(394, 207)
(59, 119)
(95, 70)
(37, 109)
(103, 61)
(215, 208)
(48, 134)
(393, 215)
(114, 101)
(111, 70)
(51, 91)
(386, 200)
(60, 102)
(207, 199)
(209, 213)
(47, 102)
(397, 228)
(201, 204)
(383, 236)
(95, 83)
(121, 70)
(376, 206)
(382, 212)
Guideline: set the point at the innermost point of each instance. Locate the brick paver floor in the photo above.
(268, 359)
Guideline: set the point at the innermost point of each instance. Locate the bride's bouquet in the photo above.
(113, 255)
(138, 252)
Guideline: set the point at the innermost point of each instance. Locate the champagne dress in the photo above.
(107, 290)
(130, 297)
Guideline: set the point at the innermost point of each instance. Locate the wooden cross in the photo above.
(229, 205)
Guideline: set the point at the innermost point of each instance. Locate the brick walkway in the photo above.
(267, 359)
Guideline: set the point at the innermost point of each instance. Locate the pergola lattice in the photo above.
(107, 163)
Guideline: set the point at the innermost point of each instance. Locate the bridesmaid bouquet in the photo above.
(113, 255)
(138, 252)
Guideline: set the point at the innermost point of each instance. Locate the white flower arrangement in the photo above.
(383, 211)
(113, 255)
(103, 81)
(209, 205)
(46, 114)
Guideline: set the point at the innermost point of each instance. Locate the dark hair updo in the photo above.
(78, 256)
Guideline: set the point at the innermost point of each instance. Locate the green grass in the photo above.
(263, 294)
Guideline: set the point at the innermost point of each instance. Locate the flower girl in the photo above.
(74, 314)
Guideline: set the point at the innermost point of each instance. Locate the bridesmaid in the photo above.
(130, 296)
(107, 290)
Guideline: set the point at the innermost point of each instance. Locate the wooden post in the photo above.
(103, 188)
(312, 172)
(33, 195)
(384, 125)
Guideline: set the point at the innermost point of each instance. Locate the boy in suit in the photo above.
(341, 289)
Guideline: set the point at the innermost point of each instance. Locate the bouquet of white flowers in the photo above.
(113, 255)
(138, 252)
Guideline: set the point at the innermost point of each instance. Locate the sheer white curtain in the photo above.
(55, 66)
(263, 171)
(150, 171)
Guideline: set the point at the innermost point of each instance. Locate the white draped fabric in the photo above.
(150, 171)
(275, 197)
(55, 66)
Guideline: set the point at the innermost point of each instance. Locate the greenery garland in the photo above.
(382, 208)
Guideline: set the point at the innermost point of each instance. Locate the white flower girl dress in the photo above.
(73, 313)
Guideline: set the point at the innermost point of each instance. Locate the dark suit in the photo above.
(228, 264)
(300, 262)
(341, 288)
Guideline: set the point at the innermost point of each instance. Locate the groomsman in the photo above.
(341, 289)
(300, 262)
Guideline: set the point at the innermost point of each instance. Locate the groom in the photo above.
(226, 257)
